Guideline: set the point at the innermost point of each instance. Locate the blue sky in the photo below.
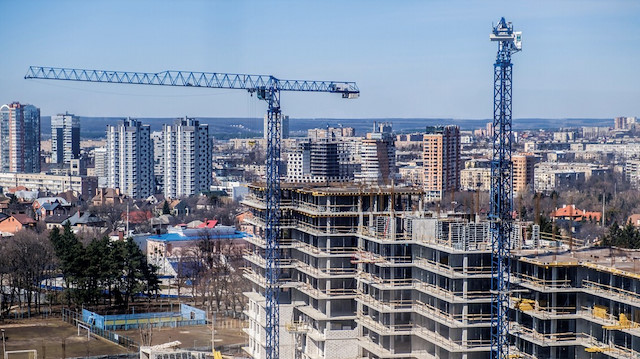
(428, 59)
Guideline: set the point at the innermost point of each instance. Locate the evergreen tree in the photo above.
(165, 208)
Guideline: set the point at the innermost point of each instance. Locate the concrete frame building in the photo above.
(186, 158)
(65, 138)
(576, 304)
(130, 158)
(366, 275)
(441, 160)
(19, 138)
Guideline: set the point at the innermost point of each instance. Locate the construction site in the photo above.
(363, 270)
(367, 273)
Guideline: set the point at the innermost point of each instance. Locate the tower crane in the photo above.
(266, 88)
(501, 216)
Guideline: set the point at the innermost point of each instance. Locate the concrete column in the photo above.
(360, 213)
(329, 224)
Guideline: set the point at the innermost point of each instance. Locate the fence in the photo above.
(73, 318)
(188, 316)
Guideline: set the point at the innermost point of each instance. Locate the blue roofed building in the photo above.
(181, 243)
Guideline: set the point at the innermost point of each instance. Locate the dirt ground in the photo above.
(227, 333)
(53, 338)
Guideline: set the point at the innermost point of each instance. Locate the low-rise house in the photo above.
(160, 223)
(48, 206)
(176, 207)
(204, 203)
(56, 220)
(11, 224)
(74, 198)
(155, 199)
(106, 196)
(634, 219)
(137, 217)
(571, 213)
(84, 219)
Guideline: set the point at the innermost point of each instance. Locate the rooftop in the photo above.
(343, 188)
(621, 261)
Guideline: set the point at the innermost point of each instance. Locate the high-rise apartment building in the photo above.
(320, 160)
(65, 138)
(523, 172)
(284, 126)
(19, 138)
(186, 158)
(441, 160)
(100, 161)
(130, 158)
(158, 155)
(378, 156)
(624, 123)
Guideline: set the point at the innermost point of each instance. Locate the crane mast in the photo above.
(266, 88)
(501, 216)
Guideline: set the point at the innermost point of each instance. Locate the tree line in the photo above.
(97, 271)
(102, 271)
(622, 237)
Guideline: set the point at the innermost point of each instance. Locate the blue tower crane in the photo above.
(266, 88)
(501, 216)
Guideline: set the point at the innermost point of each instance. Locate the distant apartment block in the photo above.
(19, 138)
(475, 179)
(550, 176)
(378, 156)
(523, 172)
(320, 160)
(186, 158)
(65, 138)
(409, 140)
(330, 133)
(632, 172)
(624, 123)
(591, 133)
(100, 160)
(411, 174)
(158, 155)
(284, 126)
(130, 158)
(84, 185)
(441, 160)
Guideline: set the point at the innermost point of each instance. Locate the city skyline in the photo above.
(412, 60)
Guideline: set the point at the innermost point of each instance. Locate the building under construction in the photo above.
(576, 304)
(366, 272)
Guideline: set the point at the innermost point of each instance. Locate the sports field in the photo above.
(53, 338)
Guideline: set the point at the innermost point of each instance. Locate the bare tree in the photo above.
(111, 214)
(28, 257)
(219, 279)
